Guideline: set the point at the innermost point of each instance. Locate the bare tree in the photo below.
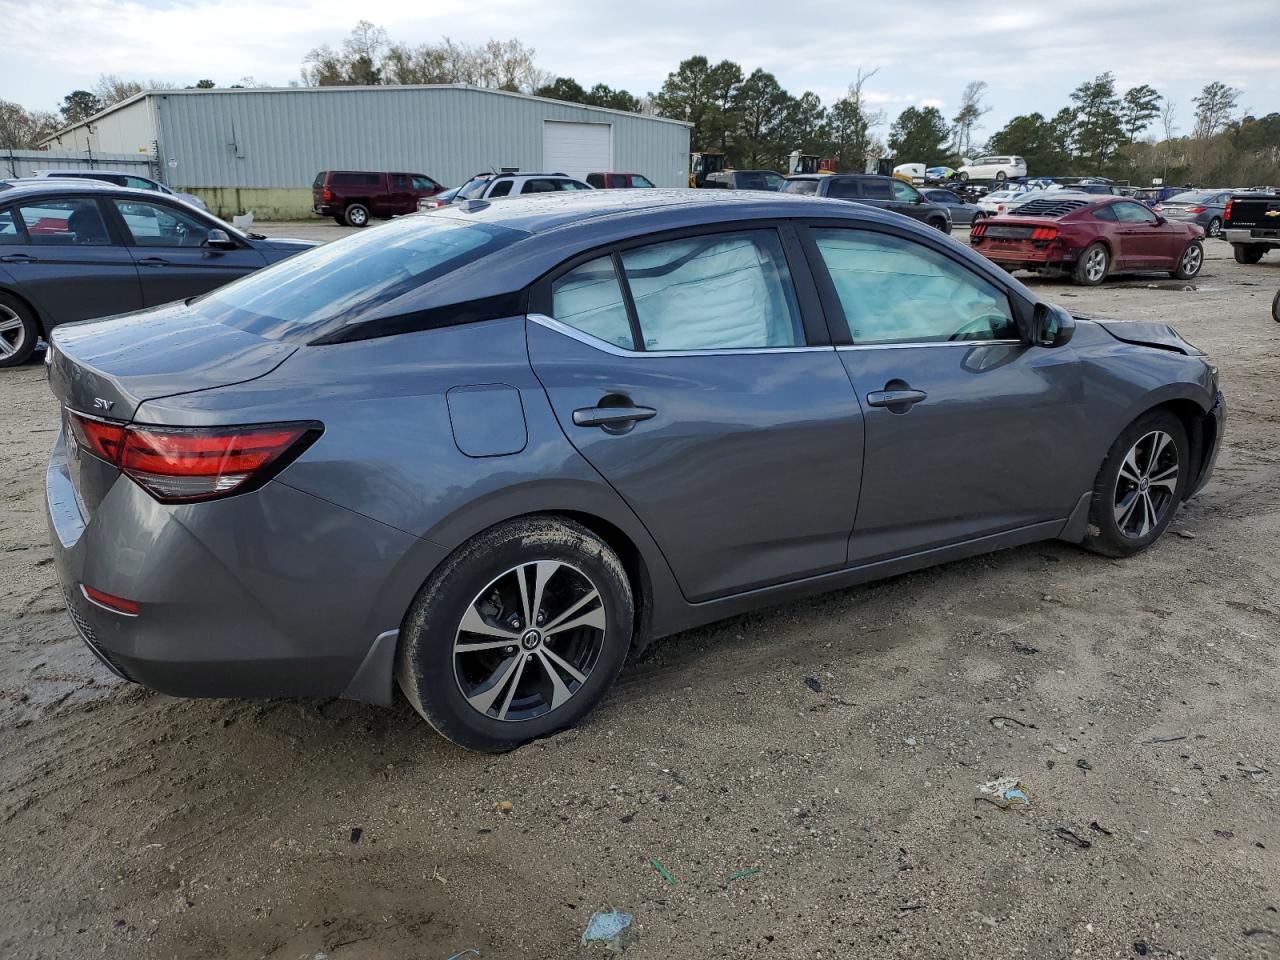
(966, 119)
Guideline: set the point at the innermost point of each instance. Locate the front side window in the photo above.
(589, 298)
(722, 291)
(159, 225)
(900, 291)
(10, 232)
(424, 183)
(639, 181)
(905, 192)
(139, 184)
(1133, 213)
(501, 189)
(64, 223)
(808, 187)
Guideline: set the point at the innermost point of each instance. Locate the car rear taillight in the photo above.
(128, 608)
(1044, 233)
(978, 230)
(1226, 214)
(1196, 209)
(327, 195)
(184, 464)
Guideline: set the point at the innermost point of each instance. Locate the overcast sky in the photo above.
(1032, 53)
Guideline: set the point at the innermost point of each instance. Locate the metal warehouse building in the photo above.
(260, 149)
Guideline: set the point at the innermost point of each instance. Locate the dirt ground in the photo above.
(834, 745)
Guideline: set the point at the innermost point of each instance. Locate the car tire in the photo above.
(1129, 513)
(938, 224)
(19, 331)
(1275, 308)
(1213, 228)
(964, 176)
(1247, 253)
(356, 215)
(1190, 262)
(1001, 176)
(1093, 266)
(977, 219)
(482, 698)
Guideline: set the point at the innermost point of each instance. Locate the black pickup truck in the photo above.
(1251, 224)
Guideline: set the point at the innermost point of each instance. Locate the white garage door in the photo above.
(576, 148)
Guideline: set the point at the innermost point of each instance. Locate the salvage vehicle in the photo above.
(994, 168)
(888, 193)
(442, 199)
(1089, 238)
(74, 250)
(1204, 208)
(486, 451)
(1251, 224)
(745, 180)
(702, 165)
(123, 180)
(618, 181)
(492, 186)
(354, 197)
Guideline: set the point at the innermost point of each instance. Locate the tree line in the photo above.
(752, 119)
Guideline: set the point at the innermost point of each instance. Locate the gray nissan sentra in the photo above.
(483, 452)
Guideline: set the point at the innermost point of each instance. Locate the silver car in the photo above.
(1203, 207)
(487, 451)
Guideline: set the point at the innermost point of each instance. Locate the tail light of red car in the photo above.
(326, 195)
(978, 231)
(1044, 234)
(188, 464)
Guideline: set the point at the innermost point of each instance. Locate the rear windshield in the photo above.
(346, 281)
(800, 186)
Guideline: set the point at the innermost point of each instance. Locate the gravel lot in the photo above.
(1137, 701)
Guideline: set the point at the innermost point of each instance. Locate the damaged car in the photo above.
(484, 453)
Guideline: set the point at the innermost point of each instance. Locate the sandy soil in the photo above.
(1138, 702)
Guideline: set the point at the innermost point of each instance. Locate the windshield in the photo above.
(348, 279)
(800, 186)
(472, 189)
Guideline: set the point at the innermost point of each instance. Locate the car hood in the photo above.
(285, 244)
(1147, 334)
(110, 367)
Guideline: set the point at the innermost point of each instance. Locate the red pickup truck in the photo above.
(353, 197)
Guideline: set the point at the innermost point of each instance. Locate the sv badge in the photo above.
(101, 404)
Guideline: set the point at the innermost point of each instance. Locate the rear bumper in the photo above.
(323, 210)
(273, 593)
(1026, 256)
(1252, 235)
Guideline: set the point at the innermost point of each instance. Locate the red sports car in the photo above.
(1089, 238)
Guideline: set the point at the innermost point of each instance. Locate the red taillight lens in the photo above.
(977, 230)
(113, 603)
(1226, 214)
(101, 438)
(1044, 233)
(179, 464)
(1196, 209)
(327, 195)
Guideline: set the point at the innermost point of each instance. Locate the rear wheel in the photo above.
(1275, 308)
(1190, 263)
(1093, 265)
(1213, 228)
(357, 215)
(1247, 253)
(1000, 176)
(19, 331)
(518, 634)
(1139, 486)
(938, 224)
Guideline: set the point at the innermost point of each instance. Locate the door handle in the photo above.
(153, 262)
(895, 398)
(18, 258)
(611, 416)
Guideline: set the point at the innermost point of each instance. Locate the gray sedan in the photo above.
(963, 213)
(485, 452)
(77, 250)
(1202, 207)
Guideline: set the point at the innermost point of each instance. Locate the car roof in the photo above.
(35, 186)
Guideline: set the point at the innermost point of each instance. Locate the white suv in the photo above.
(490, 186)
(994, 168)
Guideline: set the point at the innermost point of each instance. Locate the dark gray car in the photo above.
(488, 450)
(78, 250)
(1203, 207)
(887, 193)
(963, 213)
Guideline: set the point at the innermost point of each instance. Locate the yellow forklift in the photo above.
(702, 165)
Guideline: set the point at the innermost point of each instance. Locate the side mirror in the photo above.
(1160, 221)
(1051, 325)
(219, 240)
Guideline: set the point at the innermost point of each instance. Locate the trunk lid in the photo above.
(1248, 212)
(107, 368)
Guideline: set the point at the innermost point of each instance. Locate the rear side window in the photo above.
(596, 179)
(346, 281)
(878, 189)
(139, 184)
(64, 223)
(809, 187)
(10, 233)
(400, 181)
(356, 179)
(723, 291)
(840, 189)
(589, 298)
(899, 291)
(1105, 213)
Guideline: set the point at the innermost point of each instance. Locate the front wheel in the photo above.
(1247, 253)
(1190, 263)
(964, 176)
(517, 635)
(1139, 486)
(1093, 265)
(18, 331)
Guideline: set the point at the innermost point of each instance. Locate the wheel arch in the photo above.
(45, 329)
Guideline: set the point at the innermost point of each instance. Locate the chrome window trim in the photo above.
(925, 343)
(551, 323)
